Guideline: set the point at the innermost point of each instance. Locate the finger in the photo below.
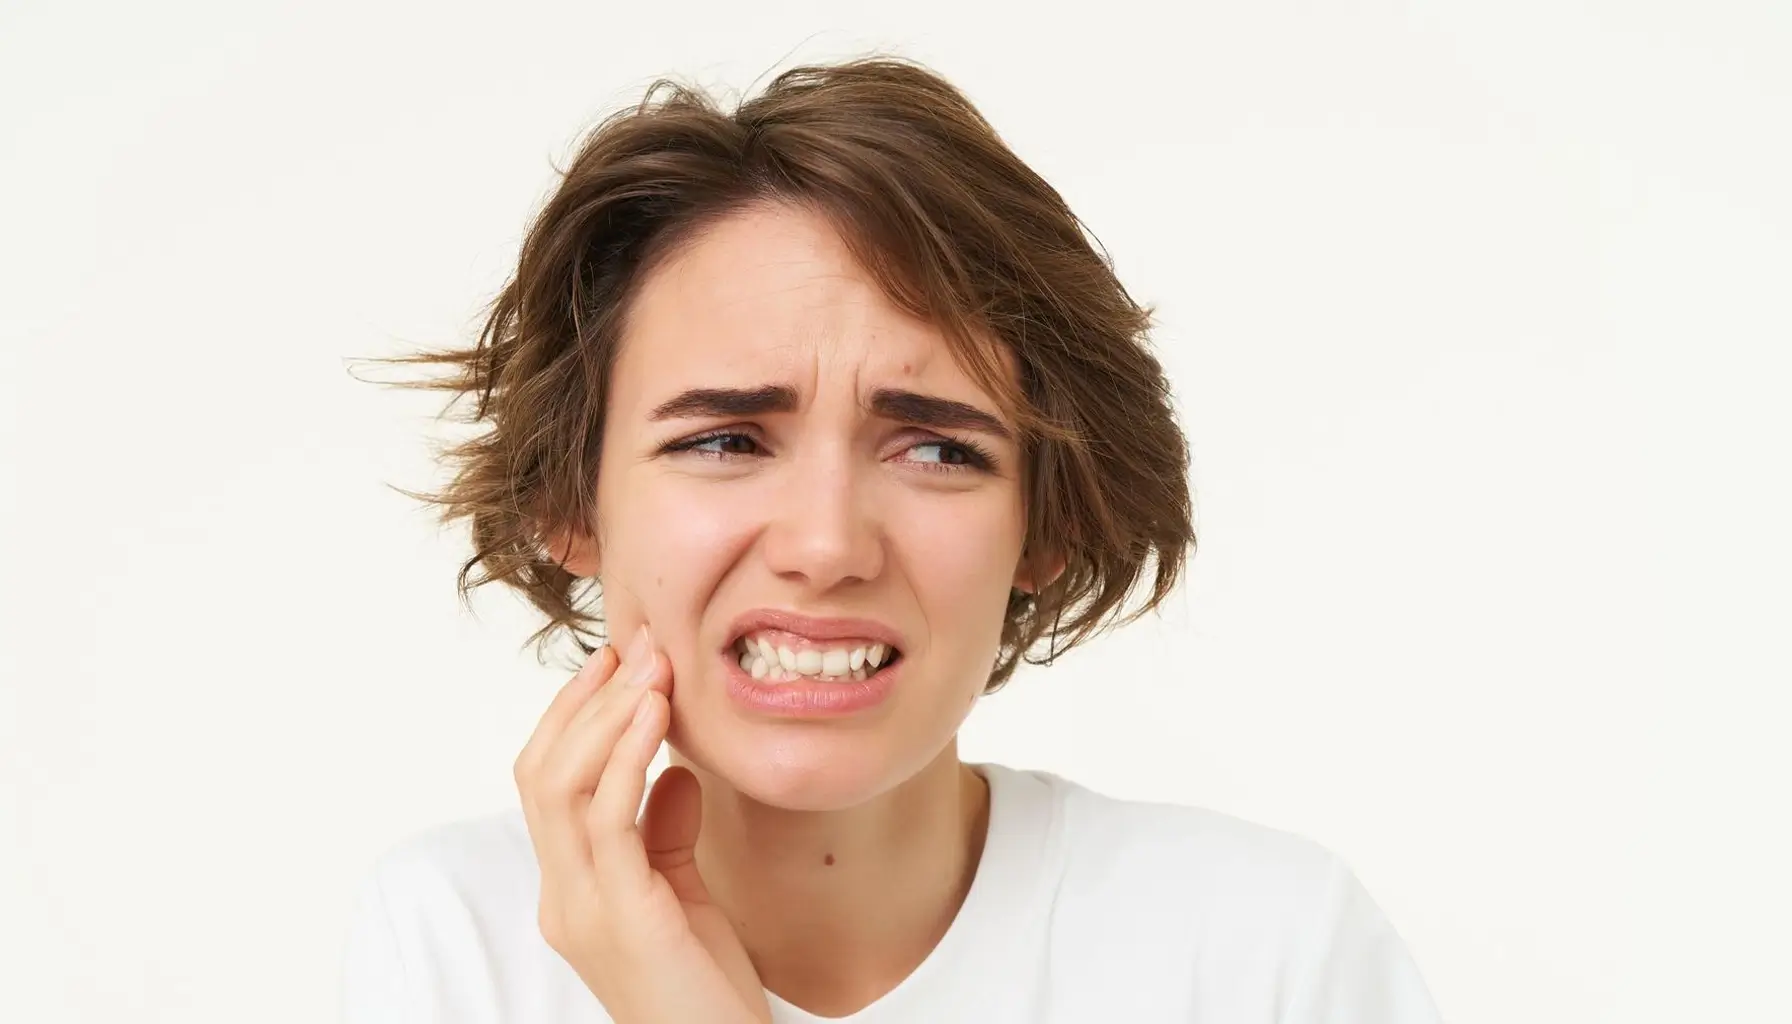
(616, 848)
(641, 666)
(569, 717)
(574, 768)
(578, 690)
(669, 828)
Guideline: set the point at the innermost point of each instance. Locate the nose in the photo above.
(824, 531)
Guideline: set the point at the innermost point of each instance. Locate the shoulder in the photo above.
(1191, 852)
(1253, 915)
(484, 860)
(1175, 873)
(445, 920)
(468, 887)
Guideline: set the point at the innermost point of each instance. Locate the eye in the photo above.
(949, 456)
(717, 446)
(943, 452)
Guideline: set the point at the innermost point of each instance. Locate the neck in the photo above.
(835, 908)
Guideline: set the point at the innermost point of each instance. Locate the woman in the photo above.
(833, 406)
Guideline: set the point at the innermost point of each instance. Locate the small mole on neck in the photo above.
(828, 860)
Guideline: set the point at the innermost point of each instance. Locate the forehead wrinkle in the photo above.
(794, 315)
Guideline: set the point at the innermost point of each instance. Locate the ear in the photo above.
(1025, 580)
(575, 550)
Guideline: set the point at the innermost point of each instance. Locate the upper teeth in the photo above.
(766, 660)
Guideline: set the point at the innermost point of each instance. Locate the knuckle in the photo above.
(552, 924)
(558, 778)
(564, 930)
(552, 779)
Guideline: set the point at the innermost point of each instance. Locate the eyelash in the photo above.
(976, 456)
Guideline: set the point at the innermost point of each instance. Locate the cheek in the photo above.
(665, 549)
(960, 557)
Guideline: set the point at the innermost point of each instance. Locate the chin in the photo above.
(799, 766)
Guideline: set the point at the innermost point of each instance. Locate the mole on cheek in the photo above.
(828, 860)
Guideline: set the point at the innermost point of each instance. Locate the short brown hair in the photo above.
(954, 227)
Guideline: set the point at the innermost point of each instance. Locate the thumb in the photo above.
(669, 827)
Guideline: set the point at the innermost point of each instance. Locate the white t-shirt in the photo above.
(1084, 908)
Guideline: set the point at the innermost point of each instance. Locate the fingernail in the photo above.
(640, 658)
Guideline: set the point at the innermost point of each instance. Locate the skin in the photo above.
(822, 859)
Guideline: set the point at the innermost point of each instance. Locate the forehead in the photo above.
(773, 294)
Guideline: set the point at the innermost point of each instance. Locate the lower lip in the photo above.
(806, 698)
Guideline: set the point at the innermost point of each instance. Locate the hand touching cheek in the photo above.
(621, 900)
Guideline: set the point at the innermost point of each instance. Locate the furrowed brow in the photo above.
(932, 411)
(723, 402)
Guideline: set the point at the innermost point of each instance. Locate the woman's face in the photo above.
(783, 447)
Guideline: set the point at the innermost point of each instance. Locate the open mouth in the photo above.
(772, 657)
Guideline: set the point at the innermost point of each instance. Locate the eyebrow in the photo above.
(931, 411)
(706, 402)
(890, 403)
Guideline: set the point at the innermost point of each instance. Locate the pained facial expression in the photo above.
(840, 496)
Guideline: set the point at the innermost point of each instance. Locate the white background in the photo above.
(1478, 316)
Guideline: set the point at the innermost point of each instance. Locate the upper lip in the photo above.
(813, 627)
